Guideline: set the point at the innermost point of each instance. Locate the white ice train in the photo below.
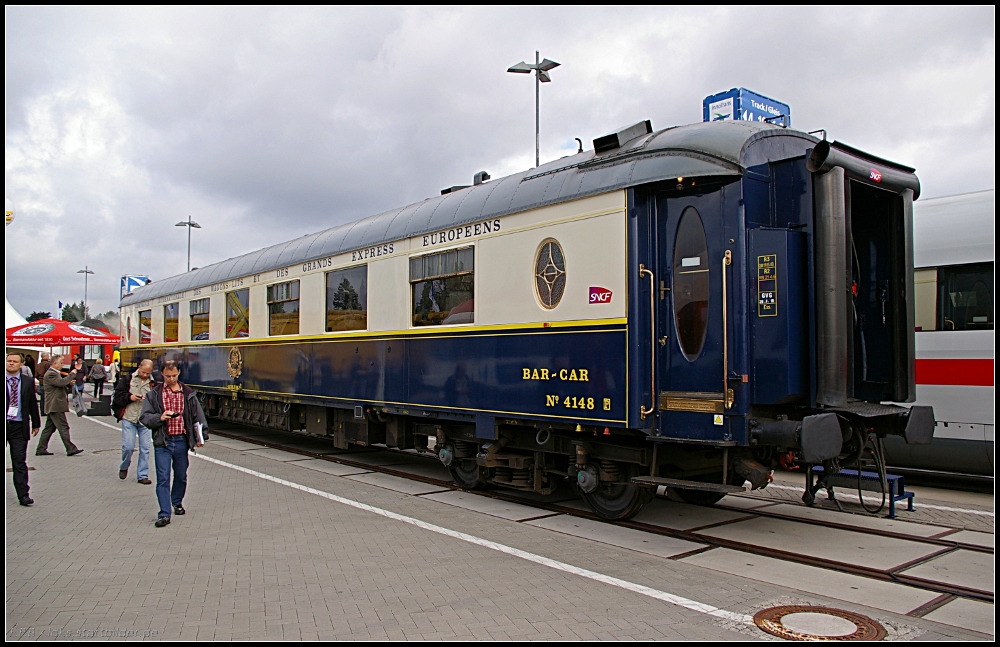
(953, 243)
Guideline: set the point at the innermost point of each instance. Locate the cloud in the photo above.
(266, 124)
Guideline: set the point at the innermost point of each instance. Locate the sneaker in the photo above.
(145, 482)
(162, 521)
(122, 474)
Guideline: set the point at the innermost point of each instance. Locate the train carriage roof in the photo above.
(954, 229)
(696, 150)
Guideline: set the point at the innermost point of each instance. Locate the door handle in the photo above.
(728, 394)
(643, 411)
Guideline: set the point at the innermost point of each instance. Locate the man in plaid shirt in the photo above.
(172, 411)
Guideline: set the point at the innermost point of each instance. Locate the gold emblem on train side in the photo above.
(235, 362)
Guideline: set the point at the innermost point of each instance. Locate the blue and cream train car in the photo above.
(672, 308)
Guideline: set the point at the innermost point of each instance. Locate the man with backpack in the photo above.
(126, 404)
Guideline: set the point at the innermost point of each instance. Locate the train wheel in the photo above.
(617, 502)
(466, 474)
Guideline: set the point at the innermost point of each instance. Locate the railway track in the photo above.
(946, 592)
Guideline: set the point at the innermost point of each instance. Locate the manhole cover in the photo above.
(817, 623)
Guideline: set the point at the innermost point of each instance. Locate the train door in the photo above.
(690, 313)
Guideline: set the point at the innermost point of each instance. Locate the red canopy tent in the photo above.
(56, 332)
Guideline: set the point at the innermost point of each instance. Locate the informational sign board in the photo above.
(767, 286)
(742, 104)
(130, 282)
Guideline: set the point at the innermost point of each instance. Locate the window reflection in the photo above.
(283, 308)
(170, 326)
(238, 314)
(145, 326)
(443, 288)
(347, 299)
(198, 309)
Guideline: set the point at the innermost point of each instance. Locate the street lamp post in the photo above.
(541, 70)
(189, 224)
(85, 271)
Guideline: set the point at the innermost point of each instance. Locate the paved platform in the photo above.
(956, 509)
(279, 546)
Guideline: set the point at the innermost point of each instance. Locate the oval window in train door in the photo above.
(691, 286)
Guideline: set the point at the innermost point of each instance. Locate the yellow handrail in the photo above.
(643, 411)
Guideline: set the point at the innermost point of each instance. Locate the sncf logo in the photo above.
(600, 295)
(875, 175)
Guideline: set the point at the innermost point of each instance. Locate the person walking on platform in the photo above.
(113, 372)
(22, 415)
(98, 374)
(43, 366)
(172, 411)
(126, 404)
(80, 368)
(56, 406)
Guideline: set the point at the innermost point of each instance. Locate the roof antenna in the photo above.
(580, 142)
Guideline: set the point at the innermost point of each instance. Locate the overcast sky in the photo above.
(267, 124)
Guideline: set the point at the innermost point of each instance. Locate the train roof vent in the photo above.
(452, 189)
(621, 136)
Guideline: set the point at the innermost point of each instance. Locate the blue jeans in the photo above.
(175, 454)
(129, 431)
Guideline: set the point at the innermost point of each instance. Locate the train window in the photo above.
(925, 298)
(550, 273)
(965, 297)
(283, 308)
(691, 284)
(198, 309)
(145, 326)
(93, 352)
(238, 314)
(170, 322)
(443, 288)
(347, 299)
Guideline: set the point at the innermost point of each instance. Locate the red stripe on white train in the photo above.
(955, 372)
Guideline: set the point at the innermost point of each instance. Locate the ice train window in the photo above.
(965, 297)
(690, 284)
(443, 288)
(550, 273)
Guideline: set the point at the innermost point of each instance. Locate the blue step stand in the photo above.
(870, 482)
